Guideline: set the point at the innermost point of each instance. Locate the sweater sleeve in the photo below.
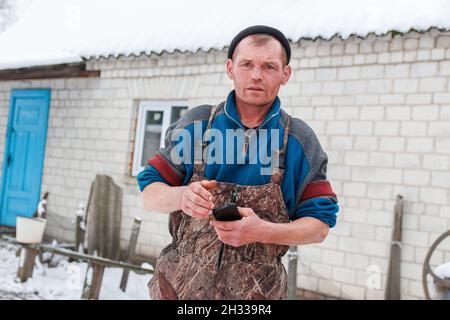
(318, 200)
(315, 196)
(162, 167)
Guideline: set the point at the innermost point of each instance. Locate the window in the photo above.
(154, 118)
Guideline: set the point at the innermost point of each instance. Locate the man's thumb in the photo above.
(245, 212)
(208, 184)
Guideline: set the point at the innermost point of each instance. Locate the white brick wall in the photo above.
(380, 106)
(389, 134)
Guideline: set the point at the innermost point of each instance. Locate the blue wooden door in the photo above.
(24, 154)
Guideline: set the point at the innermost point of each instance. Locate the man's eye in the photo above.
(246, 65)
(269, 67)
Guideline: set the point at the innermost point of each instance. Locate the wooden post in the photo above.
(26, 263)
(96, 281)
(393, 290)
(87, 282)
(93, 281)
(131, 248)
(292, 273)
(80, 229)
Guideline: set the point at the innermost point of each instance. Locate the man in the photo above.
(293, 205)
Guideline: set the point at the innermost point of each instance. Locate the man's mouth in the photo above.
(255, 89)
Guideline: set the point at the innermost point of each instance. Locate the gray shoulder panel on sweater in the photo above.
(304, 134)
(199, 113)
(313, 151)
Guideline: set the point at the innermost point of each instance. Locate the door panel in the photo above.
(24, 154)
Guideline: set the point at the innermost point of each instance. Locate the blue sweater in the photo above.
(306, 190)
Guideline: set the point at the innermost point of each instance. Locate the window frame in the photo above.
(166, 106)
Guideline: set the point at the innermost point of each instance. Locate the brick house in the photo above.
(379, 103)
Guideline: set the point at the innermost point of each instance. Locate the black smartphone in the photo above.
(228, 212)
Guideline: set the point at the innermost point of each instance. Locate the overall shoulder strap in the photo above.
(287, 127)
(278, 172)
(199, 164)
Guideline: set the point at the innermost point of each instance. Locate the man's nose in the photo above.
(256, 73)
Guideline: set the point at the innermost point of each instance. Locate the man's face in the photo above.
(258, 71)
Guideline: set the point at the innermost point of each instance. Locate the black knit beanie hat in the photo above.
(277, 34)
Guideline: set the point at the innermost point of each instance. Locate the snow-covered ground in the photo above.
(443, 272)
(64, 281)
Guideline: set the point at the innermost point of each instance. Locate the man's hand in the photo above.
(240, 232)
(197, 201)
(252, 228)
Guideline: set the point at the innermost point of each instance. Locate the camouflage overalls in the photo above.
(197, 265)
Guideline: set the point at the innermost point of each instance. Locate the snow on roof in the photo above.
(60, 31)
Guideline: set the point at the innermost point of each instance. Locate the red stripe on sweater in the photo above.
(165, 170)
(319, 188)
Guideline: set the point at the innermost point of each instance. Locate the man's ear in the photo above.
(287, 71)
(230, 69)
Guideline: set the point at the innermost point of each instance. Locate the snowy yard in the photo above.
(64, 281)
